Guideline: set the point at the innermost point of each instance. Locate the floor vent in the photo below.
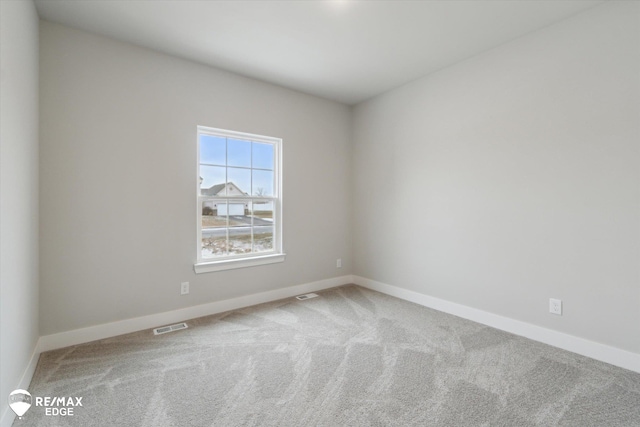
(306, 296)
(170, 328)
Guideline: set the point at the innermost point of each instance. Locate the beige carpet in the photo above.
(351, 357)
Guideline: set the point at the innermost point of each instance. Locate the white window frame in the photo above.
(205, 265)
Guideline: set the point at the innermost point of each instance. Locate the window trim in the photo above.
(205, 265)
(230, 264)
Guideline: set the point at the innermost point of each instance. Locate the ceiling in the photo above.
(347, 51)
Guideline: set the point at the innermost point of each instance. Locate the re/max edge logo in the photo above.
(21, 400)
(58, 406)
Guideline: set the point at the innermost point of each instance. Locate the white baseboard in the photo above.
(107, 330)
(8, 416)
(605, 353)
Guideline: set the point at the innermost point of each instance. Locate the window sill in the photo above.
(229, 264)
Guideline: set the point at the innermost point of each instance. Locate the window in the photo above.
(239, 200)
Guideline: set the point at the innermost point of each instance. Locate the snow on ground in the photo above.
(212, 247)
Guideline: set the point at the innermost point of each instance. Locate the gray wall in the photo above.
(18, 193)
(514, 177)
(118, 173)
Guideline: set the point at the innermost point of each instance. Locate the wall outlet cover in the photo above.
(184, 288)
(555, 306)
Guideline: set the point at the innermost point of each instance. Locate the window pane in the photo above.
(213, 150)
(239, 241)
(239, 181)
(262, 209)
(262, 183)
(212, 179)
(238, 153)
(239, 227)
(214, 229)
(263, 156)
(262, 226)
(263, 239)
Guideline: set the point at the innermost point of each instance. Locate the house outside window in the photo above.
(239, 195)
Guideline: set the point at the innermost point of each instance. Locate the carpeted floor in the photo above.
(351, 357)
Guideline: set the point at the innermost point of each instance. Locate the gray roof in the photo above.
(215, 189)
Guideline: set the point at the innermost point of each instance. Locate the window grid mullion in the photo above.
(251, 201)
(226, 181)
(236, 167)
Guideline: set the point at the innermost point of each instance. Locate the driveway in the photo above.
(260, 226)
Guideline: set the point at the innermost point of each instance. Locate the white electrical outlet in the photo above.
(184, 288)
(339, 263)
(555, 306)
